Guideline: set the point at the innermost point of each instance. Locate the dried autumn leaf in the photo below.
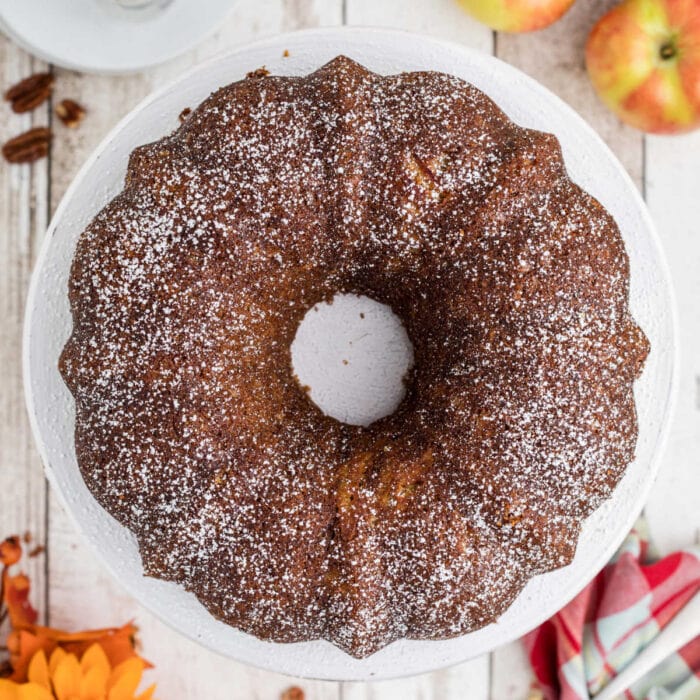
(21, 646)
(16, 598)
(10, 551)
(118, 642)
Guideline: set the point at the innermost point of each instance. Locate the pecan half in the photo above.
(184, 114)
(70, 113)
(29, 146)
(30, 92)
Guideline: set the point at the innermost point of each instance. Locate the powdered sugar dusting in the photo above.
(415, 190)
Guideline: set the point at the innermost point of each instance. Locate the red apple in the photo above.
(644, 60)
(517, 15)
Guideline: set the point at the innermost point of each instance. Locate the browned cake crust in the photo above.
(187, 291)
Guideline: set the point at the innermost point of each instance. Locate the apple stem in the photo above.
(667, 50)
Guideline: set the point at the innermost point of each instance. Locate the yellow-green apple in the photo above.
(644, 60)
(517, 15)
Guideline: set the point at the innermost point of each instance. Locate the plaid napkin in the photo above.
(579, 650)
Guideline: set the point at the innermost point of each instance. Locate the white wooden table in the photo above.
(70, 588)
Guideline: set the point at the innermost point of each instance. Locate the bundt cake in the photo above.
(415, 190)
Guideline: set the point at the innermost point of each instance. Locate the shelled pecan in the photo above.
(29, 146)
(30, 92)
(70, 113)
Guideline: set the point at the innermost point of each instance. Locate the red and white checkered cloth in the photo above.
(579, 650)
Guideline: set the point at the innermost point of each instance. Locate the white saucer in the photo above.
(590, 163)
(99, 36)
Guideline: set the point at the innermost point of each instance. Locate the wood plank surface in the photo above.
(441, 18)
(673, 194)
(23, 220)
(81, 593)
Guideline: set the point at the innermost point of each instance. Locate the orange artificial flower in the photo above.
(23, 644)
(90, 665)
(65, 677)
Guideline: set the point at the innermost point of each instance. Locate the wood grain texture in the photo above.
(468, 680)
(81, 592)
(23, 220)
(511, 676)
(673, 196)
(441, 18)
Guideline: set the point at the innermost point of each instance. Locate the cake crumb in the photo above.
(261, 72)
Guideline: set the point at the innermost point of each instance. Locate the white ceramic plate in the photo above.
(591, 164)
(99, 36)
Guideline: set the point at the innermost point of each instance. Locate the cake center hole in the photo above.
(351, 356)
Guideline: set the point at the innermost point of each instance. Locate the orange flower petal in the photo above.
(10, 551)
(125, 679)
(26, 691)
(66, 676)
(127, 668)
(148, 693)
(95, 657)
(119, 694)
(33, 691)
(9, 690)
(93, 685)
(38, 671)
(57, 655)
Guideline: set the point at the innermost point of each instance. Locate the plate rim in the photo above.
(56, 60)
(670, 398)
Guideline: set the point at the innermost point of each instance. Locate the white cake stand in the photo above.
(590, 163)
